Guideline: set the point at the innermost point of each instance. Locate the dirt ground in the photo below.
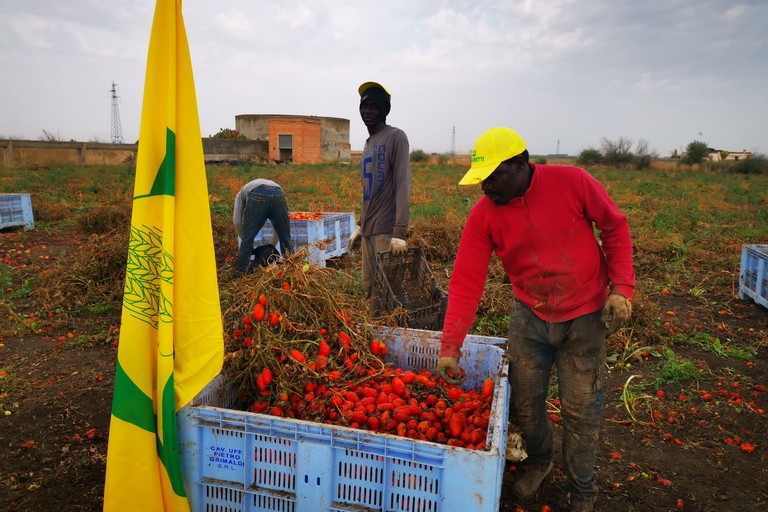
(695, 446)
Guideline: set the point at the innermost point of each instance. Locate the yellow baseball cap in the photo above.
(492, 147)
(367, 85)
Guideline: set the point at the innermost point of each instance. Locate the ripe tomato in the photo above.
(398, 386)
(488, 387)
(456, 425)
(454, 393)
(402, 413)
(298, 356)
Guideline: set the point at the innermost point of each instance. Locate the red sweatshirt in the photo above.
(547, 245)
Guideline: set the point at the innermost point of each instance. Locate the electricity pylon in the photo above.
(117, 131)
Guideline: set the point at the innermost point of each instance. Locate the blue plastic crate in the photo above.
(327, 237)
(16, 210)
(753, 276)
(243, 461)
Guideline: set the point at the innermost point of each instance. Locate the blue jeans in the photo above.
(577, 349)
(264, 203)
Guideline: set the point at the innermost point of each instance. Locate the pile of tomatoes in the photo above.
(337, 376)
(305, 216)
(391, 400)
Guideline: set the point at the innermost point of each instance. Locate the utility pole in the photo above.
(453, 142)
(117, 130)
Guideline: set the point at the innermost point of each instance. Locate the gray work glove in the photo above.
(446, 363)
(616, 312)
(398, 246)
(354, 240)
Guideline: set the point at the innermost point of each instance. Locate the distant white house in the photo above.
(719, 156)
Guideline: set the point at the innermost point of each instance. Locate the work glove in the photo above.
(450, 364)
(616, 312)
(398, 246)
(354, 240)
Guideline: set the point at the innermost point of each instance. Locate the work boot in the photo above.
(533, 474)
(582, 503)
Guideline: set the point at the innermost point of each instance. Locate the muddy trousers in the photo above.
(371, 245)
(577, 350)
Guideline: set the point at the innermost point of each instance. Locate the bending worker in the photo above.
(571, 291)
(258, 201)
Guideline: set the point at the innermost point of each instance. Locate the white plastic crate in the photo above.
(16, 210)
(753, 276)
(243, 461)
(327, 237)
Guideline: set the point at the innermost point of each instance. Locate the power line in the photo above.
(117, 130)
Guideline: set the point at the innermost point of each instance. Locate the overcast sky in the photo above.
(564, 73)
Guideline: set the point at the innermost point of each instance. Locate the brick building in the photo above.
(298, 139)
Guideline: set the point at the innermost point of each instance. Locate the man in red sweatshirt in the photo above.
(571, 291)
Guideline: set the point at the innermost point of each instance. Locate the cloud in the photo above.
(571, 70)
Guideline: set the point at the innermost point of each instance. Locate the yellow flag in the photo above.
(171, 342)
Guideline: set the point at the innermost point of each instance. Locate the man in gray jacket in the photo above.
(386, 177)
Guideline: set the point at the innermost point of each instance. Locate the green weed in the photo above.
(493, 325)
(675, 370)
(712, 344)
(25, 290)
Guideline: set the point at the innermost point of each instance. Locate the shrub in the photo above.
(756, 164)
(644, 156)
(418, 155)
(589, 156)
(540, 160)
(617, 153)
(643, 162)
(228, 133)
